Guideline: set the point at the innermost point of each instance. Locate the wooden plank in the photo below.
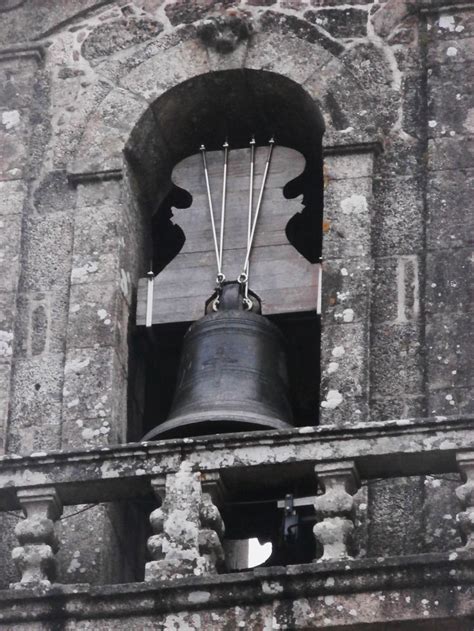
(285, 281)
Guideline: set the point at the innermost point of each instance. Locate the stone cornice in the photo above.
(425, 576)
(405, 447)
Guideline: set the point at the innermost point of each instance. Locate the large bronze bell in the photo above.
(232, 374)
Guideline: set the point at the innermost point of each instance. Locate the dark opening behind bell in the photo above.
(232, 375)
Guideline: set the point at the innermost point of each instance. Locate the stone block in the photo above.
(395, 296)
(397, 223)
(8, 541)
(106, 559)
(13, 143)
(448, 281)
(402, 156)
(53, 194)
(286, 53)
(400, 407)
(12, 195)
(7, 310)
(347, 218)
(450, 222)
(188, 11)
(98, 315)
(396, 517)
(36, 403)
(450, 51)
(108, 128)
(344, 363)
(98, 193)
(41, 322)
(450, 101)
(47, 249)
(439, 513)
(94, 393)
(452, 401)
(97, 245)
(389, 15)
(162, 72)
(110, 37)
(405, 43)
(369, 66)
(449, 350)
(350, 410)
(10, 231)
(396, 361)
(450, 153)
(345, 103)
(346, 289)
(447, 26)
(347, 166)
(413, 102)
(340, 23)
(4, 403)
(16, 79)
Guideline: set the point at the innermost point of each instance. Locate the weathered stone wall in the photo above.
(393, 81)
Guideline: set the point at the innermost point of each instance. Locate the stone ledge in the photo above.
(384, 449)
(391, 588)
(25, 51)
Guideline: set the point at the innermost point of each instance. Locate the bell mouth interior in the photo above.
(192, 427)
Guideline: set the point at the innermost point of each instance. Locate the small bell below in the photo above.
(232, 375)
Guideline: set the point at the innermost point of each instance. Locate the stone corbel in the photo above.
(335, 509)
(225, 32)
(35, 557)
(465, 494)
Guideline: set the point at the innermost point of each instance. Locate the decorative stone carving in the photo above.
(224, 33)
(335, 509)
(188, 527)
(465, 494)
(35, 557)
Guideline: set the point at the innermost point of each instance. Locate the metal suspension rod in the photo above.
(243, 276)
(202, 149)
(249, 223)
(224, 192)
(251, 183)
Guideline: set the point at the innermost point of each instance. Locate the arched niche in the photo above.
(210, 108)
(231, 104)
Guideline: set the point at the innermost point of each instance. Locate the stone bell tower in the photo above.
(234, 305)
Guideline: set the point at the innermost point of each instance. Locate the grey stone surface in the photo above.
(345, 23)
(450, 223)
(35, 417)
(46, 252)
(448, 277)
(86, 147)
(396, 360)
(397, 226)
(389, 535)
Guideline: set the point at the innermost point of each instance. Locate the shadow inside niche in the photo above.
(167, 237)
(304, 229)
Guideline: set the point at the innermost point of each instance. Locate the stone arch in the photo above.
(311, 60)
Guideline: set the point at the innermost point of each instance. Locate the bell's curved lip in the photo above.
(183, 425)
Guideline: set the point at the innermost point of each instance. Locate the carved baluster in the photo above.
(155, 542)
(335, 509)
(187, 527)
(35, 557)
(212, 529)
(465, 494)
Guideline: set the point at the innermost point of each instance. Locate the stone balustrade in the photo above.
(188, 479)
